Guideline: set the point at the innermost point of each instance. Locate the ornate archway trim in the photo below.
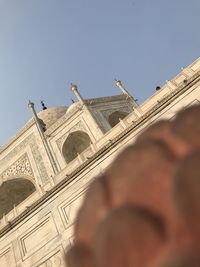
(19, 168)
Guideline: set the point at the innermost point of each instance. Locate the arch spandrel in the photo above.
(21, 167)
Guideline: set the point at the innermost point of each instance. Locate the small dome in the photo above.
(72, 106)
(50, 115)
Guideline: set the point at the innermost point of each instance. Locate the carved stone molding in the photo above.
(54, 261)
(7, 258)
(106, 113)
(104, 99)
(20, 167)
(39, 161)
(31, 142)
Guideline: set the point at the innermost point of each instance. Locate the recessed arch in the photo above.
(13, 192)
(75, 143)
(114, 117)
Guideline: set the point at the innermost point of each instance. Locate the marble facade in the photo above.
(76, 144)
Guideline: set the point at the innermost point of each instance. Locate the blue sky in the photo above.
(47, 44)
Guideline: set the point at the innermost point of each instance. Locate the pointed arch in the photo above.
(75, 143)
(114, 117)
(13, 192)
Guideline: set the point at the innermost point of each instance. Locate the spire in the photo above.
(74, 89)
(35, 116)
(136, 106)
(85, 107)
(43, 105)
(119, 84)
(41, 132)
(31, 105)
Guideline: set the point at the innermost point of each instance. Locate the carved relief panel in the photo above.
(20, 167)
(54, 261)
(69, 209)
(7, 258)
(23, 166)
(37, 236)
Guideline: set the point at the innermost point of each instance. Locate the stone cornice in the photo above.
(93, 101)
(164, 102)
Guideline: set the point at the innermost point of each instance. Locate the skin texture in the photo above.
(191, 260)
(79, 256)
(145, 209)
(186, 191)
(129, 236)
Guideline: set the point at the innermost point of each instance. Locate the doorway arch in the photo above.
(13, 192)
(75, 143)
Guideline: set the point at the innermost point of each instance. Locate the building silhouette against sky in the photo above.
(46, 167)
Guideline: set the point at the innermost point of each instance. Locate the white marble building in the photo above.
(47, 166)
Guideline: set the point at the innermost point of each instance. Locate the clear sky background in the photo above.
(47, 44)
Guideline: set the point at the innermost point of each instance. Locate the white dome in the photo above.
(72, 106)
(50, 115)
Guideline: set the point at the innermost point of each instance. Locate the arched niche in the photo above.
(113, 119)
(13, 192)
(75, 143)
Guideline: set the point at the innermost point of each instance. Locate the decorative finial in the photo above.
(43, 105)
(30, 104)
(74, 88)
(41, 128)
(119, 84)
